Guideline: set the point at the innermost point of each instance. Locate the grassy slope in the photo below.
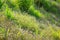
(32, 25)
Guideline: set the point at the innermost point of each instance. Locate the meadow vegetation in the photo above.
(29, 20)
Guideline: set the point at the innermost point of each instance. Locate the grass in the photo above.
(50, 6)
(35, 12)
(23, 4)
(28, 26)
(14, 4)
(9, 13)
(29, 22)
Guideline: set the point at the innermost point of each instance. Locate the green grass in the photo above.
(1, 3)
(27, 22)
(24, 20)
(23, 4)
(35, 12)
(14, 4)
(50, 6)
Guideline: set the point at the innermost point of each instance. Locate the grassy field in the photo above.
(29, 19)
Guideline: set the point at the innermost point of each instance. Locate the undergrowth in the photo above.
(29, 20)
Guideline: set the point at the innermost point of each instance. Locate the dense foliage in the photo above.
(29, 19)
